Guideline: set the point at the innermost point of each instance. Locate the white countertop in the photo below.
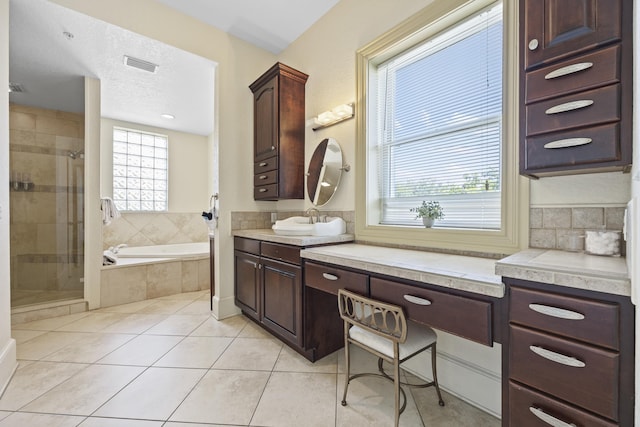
(465, 273)
(268, 235)
(570, 269)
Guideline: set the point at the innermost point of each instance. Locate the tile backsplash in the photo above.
(550, 228)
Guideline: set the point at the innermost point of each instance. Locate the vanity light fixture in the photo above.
(331, 117)
(167, 116)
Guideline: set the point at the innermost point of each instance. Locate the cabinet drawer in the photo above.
(605, 70)
(266, 192)
(330, 279)
(582, 109)
(465, 317)
(265, 165)
(590, 321)
(583, 375)
(246, 245)
(525, 403)
(281, 252)
(549, 151)
(265, 178)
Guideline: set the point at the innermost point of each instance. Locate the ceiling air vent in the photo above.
(15, 87)
(140, 64)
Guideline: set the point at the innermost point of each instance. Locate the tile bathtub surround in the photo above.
(169, 362)
(551, 228)
(262, 220)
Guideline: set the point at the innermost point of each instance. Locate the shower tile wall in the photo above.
(143, 229)
(46, 220)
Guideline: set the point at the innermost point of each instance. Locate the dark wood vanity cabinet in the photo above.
(278, 133)
(268, 286)
(575, 86)
(569, 357)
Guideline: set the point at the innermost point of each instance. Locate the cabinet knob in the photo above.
(273, 147)
(533, 44)
(262, 177)
(262, 190)
(263, 164)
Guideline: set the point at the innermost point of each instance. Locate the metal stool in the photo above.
(382, 329)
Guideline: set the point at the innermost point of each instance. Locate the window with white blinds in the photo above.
(140, 170)
(439, 133)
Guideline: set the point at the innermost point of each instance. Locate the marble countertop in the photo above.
(464, 273)
(570, 269)
(268, 235)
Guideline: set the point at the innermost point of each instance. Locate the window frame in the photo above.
(513, 234)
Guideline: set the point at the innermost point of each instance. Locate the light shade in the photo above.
(331, 117)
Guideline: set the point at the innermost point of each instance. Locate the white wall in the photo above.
(188, 165)
(7, 344)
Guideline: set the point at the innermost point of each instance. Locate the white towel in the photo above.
(109, 210)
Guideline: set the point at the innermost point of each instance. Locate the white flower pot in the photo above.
(428, 222)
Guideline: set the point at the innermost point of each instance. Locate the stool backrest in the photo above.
(386, 320)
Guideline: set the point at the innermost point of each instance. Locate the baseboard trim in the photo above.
(225, 307)
(8, 364)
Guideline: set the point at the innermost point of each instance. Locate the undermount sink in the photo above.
(300, 226)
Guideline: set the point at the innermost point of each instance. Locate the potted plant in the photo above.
(428, 211)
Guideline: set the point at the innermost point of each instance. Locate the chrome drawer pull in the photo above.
(262, 177)
(557, 357)
(263, 164)
(551, 420)
(556, 312)
(330, 276)
(263, 190)
(417, 300)
(569, 106)
(569, 142)
(569, 69)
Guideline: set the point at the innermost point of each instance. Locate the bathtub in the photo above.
(178, 250)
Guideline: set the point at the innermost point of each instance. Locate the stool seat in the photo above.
(418, 337)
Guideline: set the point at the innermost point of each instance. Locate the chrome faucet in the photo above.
(116, 249)
(309, 212)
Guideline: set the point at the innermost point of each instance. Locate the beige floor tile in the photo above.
(223, 397)
(251, 330)
(252, 354)
(370, 402)
(170, 424)
(22, 336)
(135, 323)
(21, 419)
(154, 395)
(178, 325)
(455, 412)
(229, 327)
(50, 324)
(116, 422)
(196, 307)
(89, 349)
(295, 399)
(163, 306)
(33, 380)
(291, 361)
(85, 392)
(133, 307)
(185, 296)
(195, 352)
(4, 414)
(93, 322)
(43, 345)
(142, 350)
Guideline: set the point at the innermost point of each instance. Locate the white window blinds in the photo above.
(439, 134)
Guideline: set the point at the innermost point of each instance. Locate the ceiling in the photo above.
(52, 48)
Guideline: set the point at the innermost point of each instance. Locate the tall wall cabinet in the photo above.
(278, 133)
(575, 87)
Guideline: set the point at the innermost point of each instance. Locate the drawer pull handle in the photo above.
(569, 142)
(263, 190)
(556, 312)
(417, 300)
(262, 177)
(263, 164)
(569, 106)
(330, 276)
(569, 69)
(551, 420)
(557, 357)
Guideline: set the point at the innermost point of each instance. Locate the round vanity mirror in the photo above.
(325, 169)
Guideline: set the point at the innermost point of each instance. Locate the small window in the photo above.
(140, 170)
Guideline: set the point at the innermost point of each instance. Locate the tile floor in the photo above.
(168, 362)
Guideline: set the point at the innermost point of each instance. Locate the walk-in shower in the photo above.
(47, 205)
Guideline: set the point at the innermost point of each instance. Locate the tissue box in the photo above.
(602, 242)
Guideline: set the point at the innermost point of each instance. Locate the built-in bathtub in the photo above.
(145, 272)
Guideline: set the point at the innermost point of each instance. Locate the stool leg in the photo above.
(435, 374)
(347, 361)
(396, 384)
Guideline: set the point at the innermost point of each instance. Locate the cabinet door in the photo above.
(246, 283)
(555, 29)
(282, 299)
(266, 118)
